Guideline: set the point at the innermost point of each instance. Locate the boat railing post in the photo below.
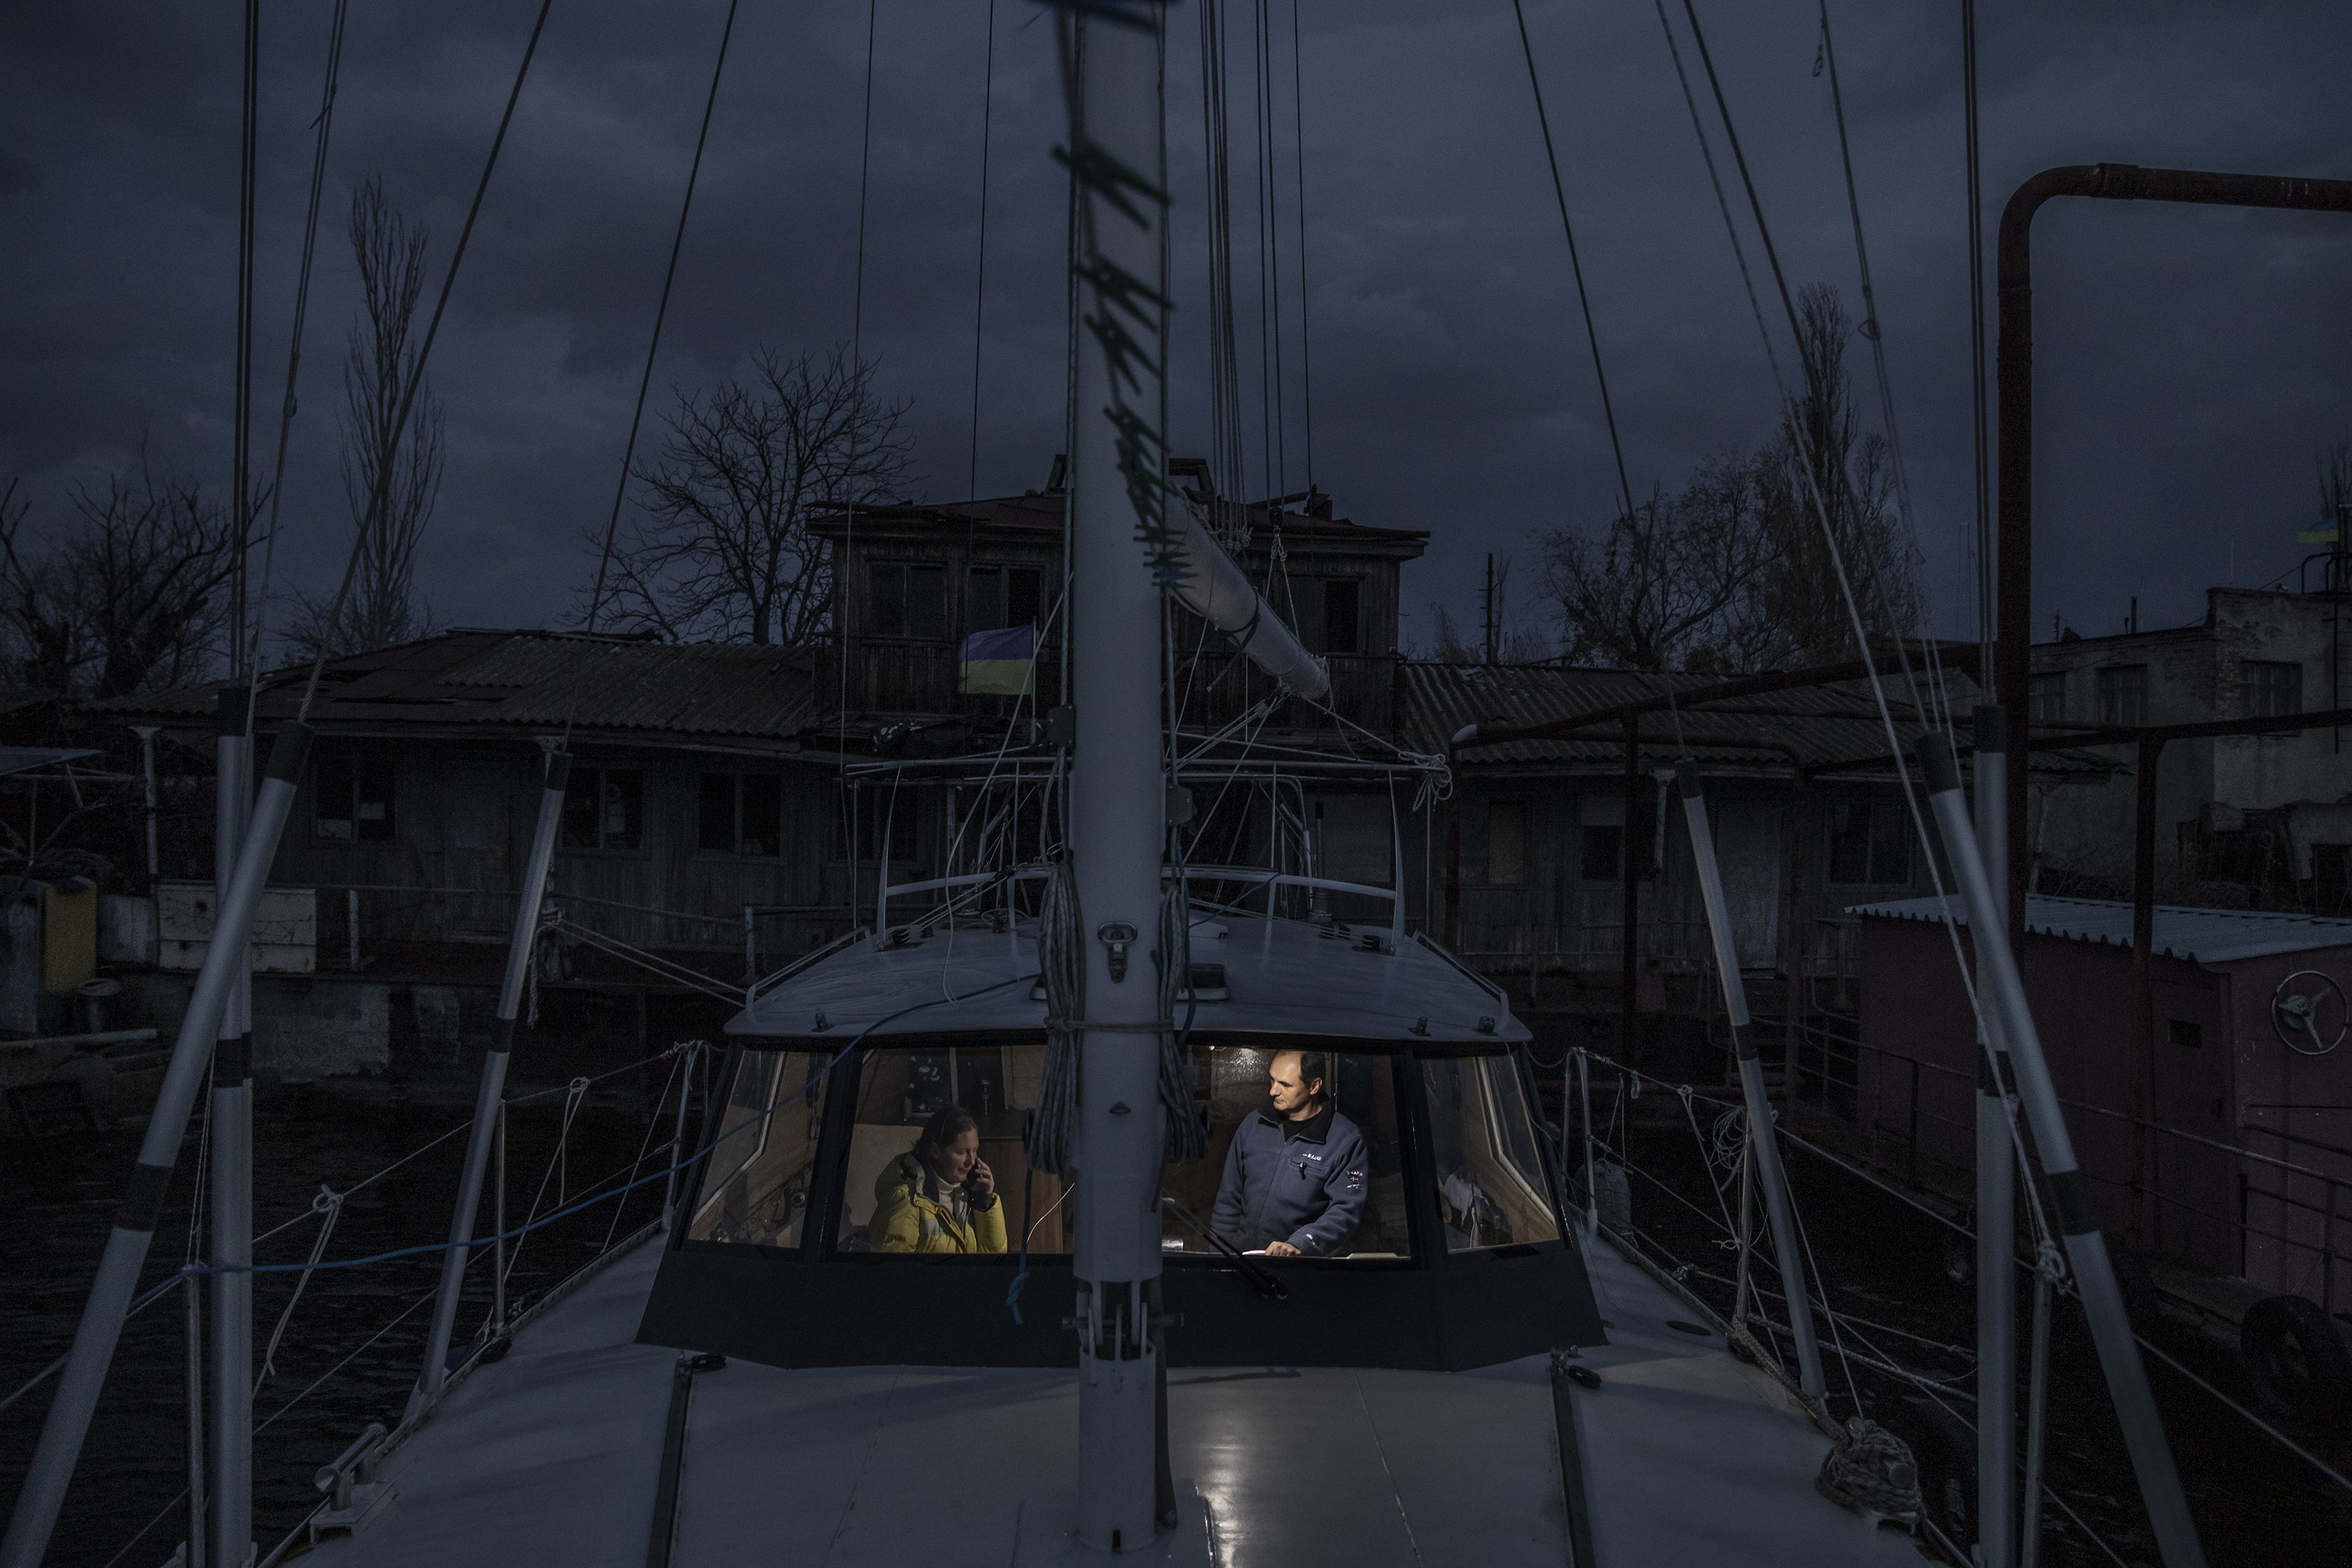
(489, 1098)
(192, 1289)
(46, 1477)
(693, 1050)
(231, 1168)
(1778, 1212)
(2001, 988)
(1591, 1182)
(498, 1221)
(1996, 1179)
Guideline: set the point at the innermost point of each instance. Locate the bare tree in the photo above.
(381, 606)
(1736, 573)
(1665, 587)
(132, 594)
(1821, 465)
(723, 550)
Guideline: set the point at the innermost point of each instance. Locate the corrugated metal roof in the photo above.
(534, 680)
(2202, 936)
(1823, 724)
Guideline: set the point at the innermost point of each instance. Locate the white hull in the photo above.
(554, 1456)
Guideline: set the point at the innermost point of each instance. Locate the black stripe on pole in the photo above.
(502, 1035)
(1743, 1041)
(558, 769)
(2071, 1192)
(232, 1062)
(288, 752)
(1687, 780)
(228, 711)
(1935, 763)
(142, 1203)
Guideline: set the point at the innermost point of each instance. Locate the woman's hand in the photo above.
(981, 1182)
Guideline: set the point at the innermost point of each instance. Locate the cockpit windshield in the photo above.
(1306, 1155)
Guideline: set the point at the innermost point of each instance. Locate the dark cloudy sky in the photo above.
(2191, 360)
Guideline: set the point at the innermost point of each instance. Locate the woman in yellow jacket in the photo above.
(939, 1196)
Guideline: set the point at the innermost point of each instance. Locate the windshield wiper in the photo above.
(1261, 1279)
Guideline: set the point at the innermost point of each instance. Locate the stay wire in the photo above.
(1306, 341)
(1981, 545)
(371, 518)
(1576, 265)
(979, 265)
(857, 372)
(1845, 587)
(661, 313)
(325, 126)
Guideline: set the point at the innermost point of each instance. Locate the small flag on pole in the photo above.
(1001, 662)
(2317, 535)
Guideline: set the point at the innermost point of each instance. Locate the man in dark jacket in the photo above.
(1294, 1177)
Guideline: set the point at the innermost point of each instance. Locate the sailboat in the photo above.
(975, 1261)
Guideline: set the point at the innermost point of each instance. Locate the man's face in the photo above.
(957, 1156)
(1290, 1092)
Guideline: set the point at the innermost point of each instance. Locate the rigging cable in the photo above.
(241, 458)
(849, 513)
(1982, 541)
(1306, 344)
(425, 352)
(1902, 773)
(980, 267)
(1874, 332)
(1560, 192)
(661, 312)
(1277, 471)
(325, 125)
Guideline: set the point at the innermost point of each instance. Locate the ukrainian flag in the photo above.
(2317, 535)
(1000, 662)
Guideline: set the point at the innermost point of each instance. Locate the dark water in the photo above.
(2255, 1504)
(60, 1197)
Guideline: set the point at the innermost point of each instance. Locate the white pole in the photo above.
(1118, 796)
(1996, 1185)
(489, 1098)
(1762, 1145)
(2003, 990)
(146, 734)
(68, 1423)
(231, 1513)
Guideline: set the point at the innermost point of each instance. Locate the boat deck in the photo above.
(554, 1454)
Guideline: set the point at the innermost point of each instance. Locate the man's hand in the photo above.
(981, 1182)
(1281, 1249)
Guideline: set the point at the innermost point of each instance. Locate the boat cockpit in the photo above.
(1362, 1201)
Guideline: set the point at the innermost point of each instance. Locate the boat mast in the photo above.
(1117, 796)
(1996, 1194)
(231, 1510)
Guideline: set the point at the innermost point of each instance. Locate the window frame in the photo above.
(2256, 697)
(738, 797)
(1873, 842)
(1513, 807)
(1353, 645)
(2121, 687)
(2045, 696)
(902, 571)
(599, 775)
(360, 767)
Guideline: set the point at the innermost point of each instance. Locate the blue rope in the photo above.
(691, 1160)
(1028, 1176)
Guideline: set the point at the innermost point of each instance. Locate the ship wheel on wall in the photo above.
(2309, 1012)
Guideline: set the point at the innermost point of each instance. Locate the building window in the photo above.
(2186, 1032)
(1342, 622)
(1870, 844)
(1506, 843)
(906, 599)
(604, 809)
(2269, 691)
(1601, 837)
(740, 813)
(352, 798)
(2123, 695)
(1000, 596)
(2045, 696)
